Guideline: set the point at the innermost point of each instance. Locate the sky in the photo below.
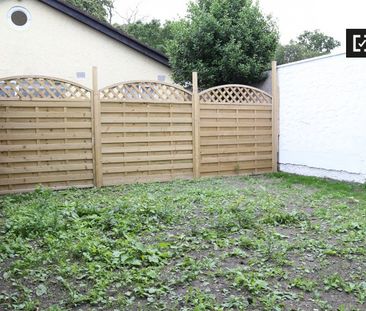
(292, 16)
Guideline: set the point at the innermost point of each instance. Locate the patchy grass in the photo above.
(274, 242)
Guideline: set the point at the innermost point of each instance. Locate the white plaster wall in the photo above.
(323, 117)
(57, 45)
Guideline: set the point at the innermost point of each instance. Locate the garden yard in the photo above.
(271, 242)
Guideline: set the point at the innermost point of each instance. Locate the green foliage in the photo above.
(238, 243)
(226, 41)
(324, 186)
(293, 52)
(100, 9)
(308, 44)
(317, 41)
(254, 282)
(283, 218)
(303, 284)
(153, 33)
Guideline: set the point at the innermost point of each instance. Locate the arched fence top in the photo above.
(145, 90)
(45, 87)
(41, 87)
(235, 94)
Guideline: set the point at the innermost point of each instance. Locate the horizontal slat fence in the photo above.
(146, 133)
(45, 134)
(235, 131)
(60, 134)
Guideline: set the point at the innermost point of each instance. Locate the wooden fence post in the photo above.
(275, 116)
(196, 126)
(98, 173)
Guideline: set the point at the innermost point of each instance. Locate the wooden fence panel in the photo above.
(146, 133)
(45, 134)
(235, 131)
(60, 134)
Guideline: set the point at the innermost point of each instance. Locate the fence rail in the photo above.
(61, 134)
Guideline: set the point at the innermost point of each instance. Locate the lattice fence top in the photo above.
(41, 88)
(150, 91)
(235, 94)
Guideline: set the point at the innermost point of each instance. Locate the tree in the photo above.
(132, 16)
(317, 41)
(101, 9)
(153, 33)
(293, 52)
(226, 41)
(308, 44)
(110, 9)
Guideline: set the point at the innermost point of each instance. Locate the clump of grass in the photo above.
(284, 218)
(303, 284)
(246, 242)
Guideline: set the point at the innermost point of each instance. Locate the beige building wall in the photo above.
(55, 44)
